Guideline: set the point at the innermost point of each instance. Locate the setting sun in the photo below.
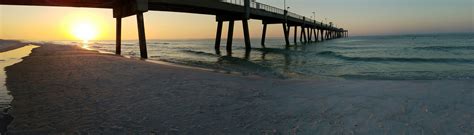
(84, 31)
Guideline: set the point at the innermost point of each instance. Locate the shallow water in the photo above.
(9, 58)
(406, 57)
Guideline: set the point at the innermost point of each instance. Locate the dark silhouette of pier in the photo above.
(225, 11)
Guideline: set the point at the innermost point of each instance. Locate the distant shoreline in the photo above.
(7, 45)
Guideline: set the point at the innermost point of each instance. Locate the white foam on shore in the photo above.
(9, 58)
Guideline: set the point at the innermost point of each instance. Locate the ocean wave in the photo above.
(230, 65)
(199, 53)
(406, 77)
(112, 44)
(277, 51)
(160, 43)
(445, 48)
(388, 59)
(412, 75)
(352, 48)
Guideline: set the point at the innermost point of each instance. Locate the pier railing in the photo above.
(235, 2)
(294, 15)
(256, 5)
(269, 8)
(272, 9)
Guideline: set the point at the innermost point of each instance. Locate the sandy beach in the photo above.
(66, 89)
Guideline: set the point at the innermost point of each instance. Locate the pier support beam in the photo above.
(305, 37)
(285, 31)
(296, 35)
(326, 34)
(329, 35)
(322, 34)
(230, 36)
(141, 35)
(310, 34)
(217, 46)
(118, 36)
(264, 34)
(316, 34)
(301, 34)
(313, 35)
(245, 24)
(333, 35)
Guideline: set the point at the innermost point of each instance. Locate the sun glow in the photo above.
(83, 25)
(84, 30)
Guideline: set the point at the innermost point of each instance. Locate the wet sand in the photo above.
(65, 89)
(9, 58)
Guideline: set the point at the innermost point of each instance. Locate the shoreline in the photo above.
(178, 65)
(199, 67)
(5, 106)
(9, 58)
(90, 92)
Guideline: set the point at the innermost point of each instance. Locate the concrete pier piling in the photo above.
(264, 34)
(230, 37)
(118, 36)
(295, 36)
(245, 25)
(286, 33)
(217, 46)
(141, 35)
(310, 35)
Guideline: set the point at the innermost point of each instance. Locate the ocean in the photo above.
(403, 57)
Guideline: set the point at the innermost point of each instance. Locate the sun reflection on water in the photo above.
(85, 44)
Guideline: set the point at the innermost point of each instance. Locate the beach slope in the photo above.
(66, 89)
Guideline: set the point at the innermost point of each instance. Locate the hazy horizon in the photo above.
(241, 38)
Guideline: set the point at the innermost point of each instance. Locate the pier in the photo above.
(227, 11)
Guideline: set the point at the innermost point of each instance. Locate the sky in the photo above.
(360, 17)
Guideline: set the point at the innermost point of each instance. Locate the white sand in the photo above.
(62, 89)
